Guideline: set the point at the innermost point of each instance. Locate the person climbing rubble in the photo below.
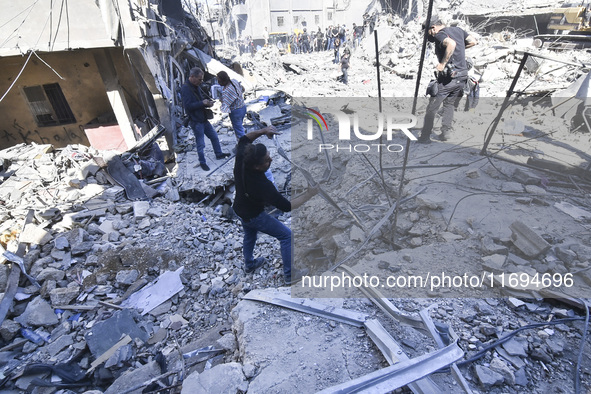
(345, 66)
(337, 48)
(253, 192)
(197, 105)
(357, 35)
(451, 72)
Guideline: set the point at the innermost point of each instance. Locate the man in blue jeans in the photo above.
(196, 104)
(253, 192)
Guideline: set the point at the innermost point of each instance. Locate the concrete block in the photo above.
(526, 240)
(35, 235)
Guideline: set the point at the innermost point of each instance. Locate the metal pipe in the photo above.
(505, 103)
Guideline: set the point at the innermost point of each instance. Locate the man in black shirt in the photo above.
(452, 74)
(253, 192)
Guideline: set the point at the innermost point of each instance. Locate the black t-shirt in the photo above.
(458, 58)
(253, 189)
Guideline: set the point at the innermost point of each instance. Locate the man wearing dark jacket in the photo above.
(253, 192)
(452, 74)
(196, 104)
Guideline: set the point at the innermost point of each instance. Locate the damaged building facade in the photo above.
(251, 17)
(96, 73)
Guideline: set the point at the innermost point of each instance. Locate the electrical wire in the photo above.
(31, 53)
(59, 23)
(17, 77)
(50, 22)
(30, 8)
(505, 338)
(51, 68)
(68, 22)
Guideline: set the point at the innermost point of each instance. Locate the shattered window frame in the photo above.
(48, 105)
(280, 21)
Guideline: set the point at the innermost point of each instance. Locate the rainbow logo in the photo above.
(317, 117)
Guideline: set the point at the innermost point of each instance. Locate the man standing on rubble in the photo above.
(345, 66)
(197, 104)
(253, 192)
(451, 71)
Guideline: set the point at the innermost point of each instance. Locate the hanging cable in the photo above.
(51, 68)
(17, 77)
(50, 23)
(59, 23)
(68, 22)
(30, 8)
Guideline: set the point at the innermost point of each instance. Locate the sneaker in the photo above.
(296, 276)
(258, 262)
(205, 167)
(222, 156)
(422, 140)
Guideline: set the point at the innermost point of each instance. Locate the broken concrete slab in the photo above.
(487, 377)
(527, 240)
(164, 287)
(134, 378)
(223, 378)
(33, 234)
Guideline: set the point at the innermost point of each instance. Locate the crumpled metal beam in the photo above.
(385, 305)
(394, 354)
(435, 333)
(353, 318)
(384, 341)
(423, 323)
(401, 374)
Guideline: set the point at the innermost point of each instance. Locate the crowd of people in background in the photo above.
(333, 38)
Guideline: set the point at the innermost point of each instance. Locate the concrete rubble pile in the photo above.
(496, 59)
(120, 296)
(89, 252)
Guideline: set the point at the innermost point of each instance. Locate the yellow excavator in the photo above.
(571, 24)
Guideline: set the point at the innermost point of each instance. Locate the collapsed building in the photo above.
(126, 293)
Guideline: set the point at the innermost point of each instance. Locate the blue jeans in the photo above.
(201, 130)
(273, 227)
(237, 118)
(345, 75)
(337, 55)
